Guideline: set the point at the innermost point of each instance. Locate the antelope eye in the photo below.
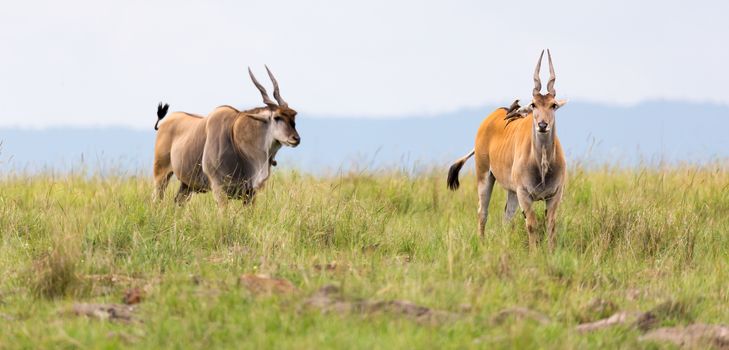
(278, 119)
(554, 106)
(533, 105)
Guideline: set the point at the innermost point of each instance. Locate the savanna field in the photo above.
(368, 260)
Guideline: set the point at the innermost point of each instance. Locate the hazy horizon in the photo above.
(485, 109)
(590, 134)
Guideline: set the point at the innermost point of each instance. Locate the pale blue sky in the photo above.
(109, 62)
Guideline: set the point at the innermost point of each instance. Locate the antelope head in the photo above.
(543, 107)
(279, 115)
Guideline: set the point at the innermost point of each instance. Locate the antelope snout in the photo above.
(295, 140)
(543, 126)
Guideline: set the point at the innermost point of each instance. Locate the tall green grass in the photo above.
(633, 237)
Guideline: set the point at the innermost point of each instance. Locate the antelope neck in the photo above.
(543, 149)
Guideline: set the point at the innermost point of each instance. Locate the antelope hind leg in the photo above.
(485, 187)
(161, 181)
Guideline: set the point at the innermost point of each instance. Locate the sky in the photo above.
(102, 63)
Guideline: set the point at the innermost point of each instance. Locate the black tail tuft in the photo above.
(161, 113)
(453, 182)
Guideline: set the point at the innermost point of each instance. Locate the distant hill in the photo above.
(592, 133)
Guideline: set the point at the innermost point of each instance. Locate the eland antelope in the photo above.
(519, 149)
(229, 151)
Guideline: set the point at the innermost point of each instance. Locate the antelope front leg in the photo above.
(183, 194)
(525, 202)
(512, 203)
(220, 195)
(552, 206)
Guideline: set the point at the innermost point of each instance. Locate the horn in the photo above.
(537, 81)
(276, 93)
(266, 99)
(552, 77)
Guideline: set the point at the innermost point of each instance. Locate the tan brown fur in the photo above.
(229, 152)
(524, 159)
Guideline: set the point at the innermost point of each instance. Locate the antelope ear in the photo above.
(561, 102)
(262, 116)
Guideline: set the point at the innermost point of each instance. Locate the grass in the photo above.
(634, 238)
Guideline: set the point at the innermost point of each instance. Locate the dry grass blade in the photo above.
(620, 318)
(53, 274)
(113, 312)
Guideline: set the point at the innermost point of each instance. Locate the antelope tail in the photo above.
(455, 169)
(161, 113)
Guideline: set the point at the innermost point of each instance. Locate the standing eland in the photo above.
(523, 155)
(229, 151)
